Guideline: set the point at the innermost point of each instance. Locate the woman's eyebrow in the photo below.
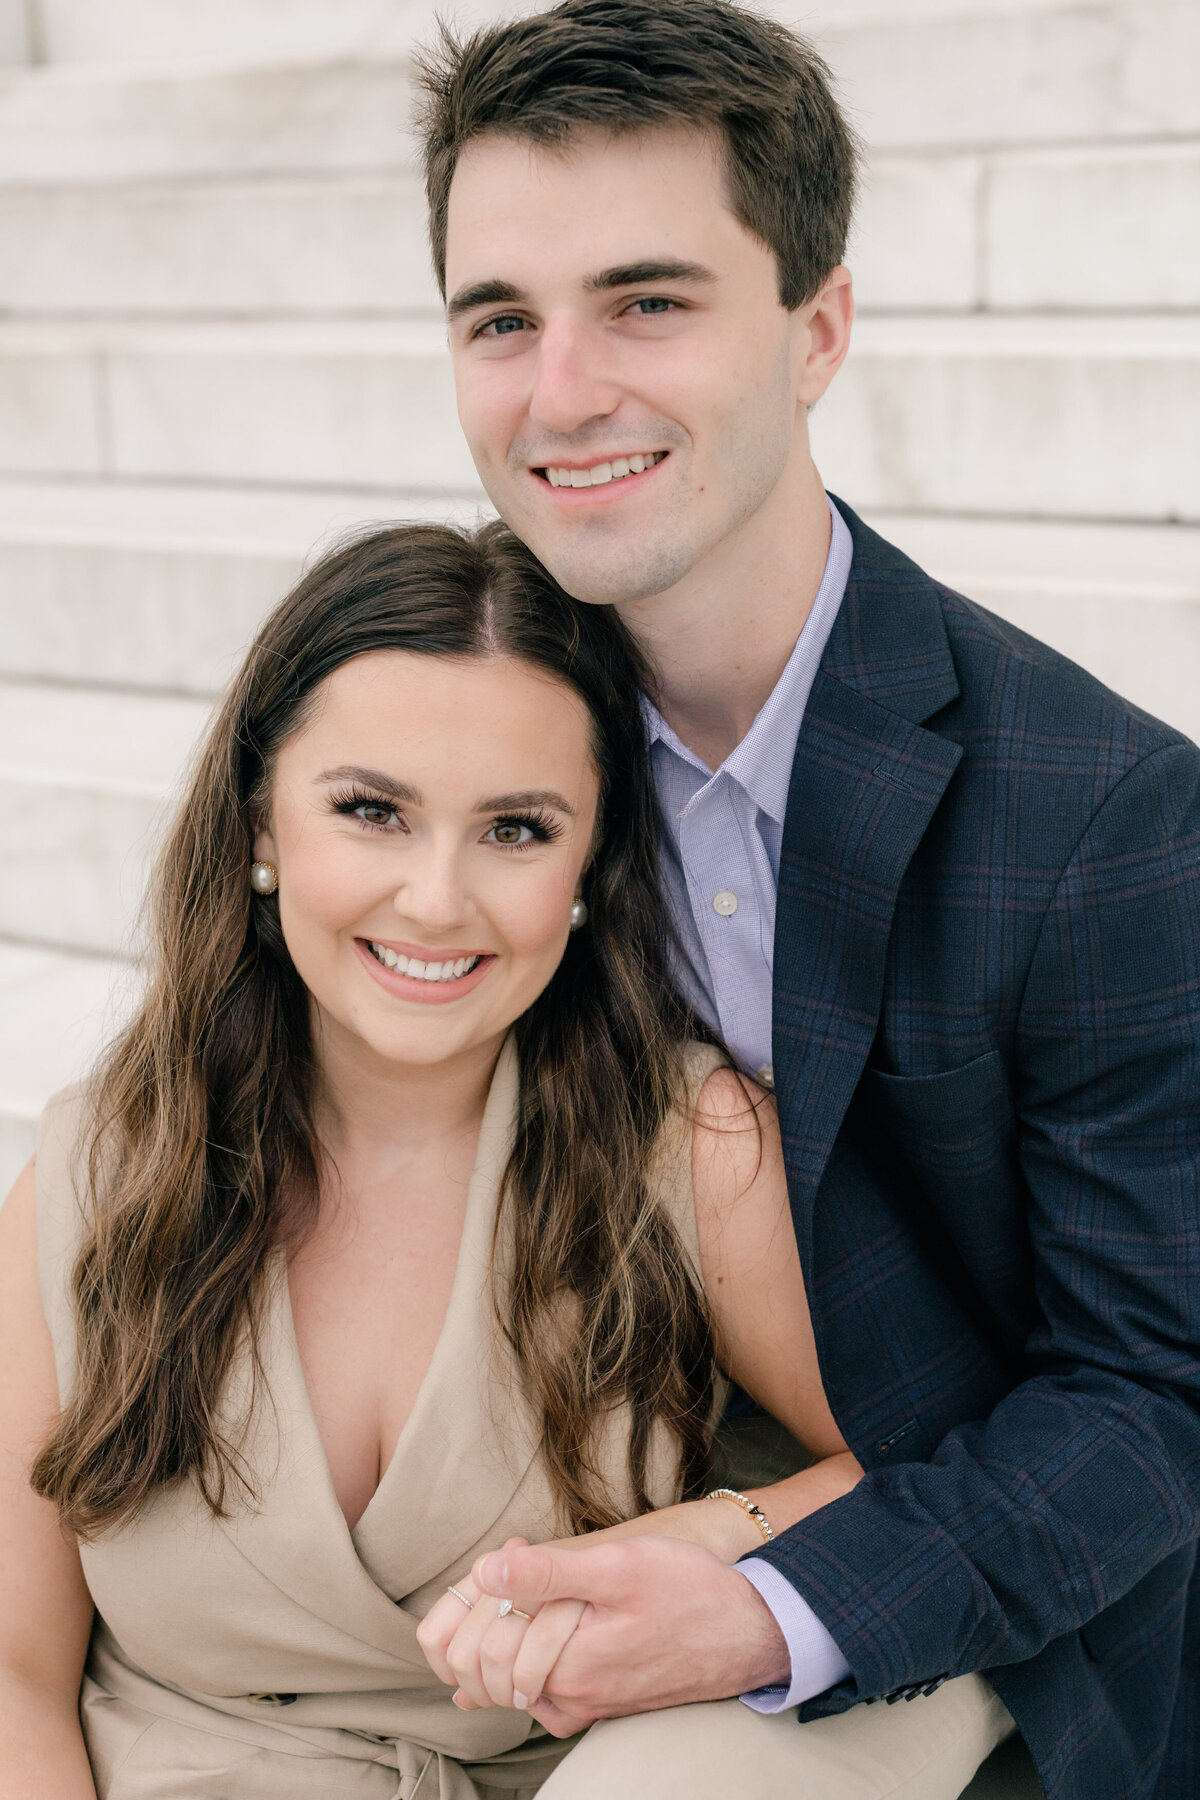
(524, 801)
(396, 790)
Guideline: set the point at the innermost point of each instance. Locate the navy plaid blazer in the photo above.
(987, 1062)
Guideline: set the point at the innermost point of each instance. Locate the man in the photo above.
(934, 884)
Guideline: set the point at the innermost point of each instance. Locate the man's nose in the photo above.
(575, 380)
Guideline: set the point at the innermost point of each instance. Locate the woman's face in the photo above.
(430, 822)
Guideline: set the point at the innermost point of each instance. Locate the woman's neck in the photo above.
(376, 1118)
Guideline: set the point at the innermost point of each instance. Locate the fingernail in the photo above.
(493, 1573)
(520, 1699)
(454, 1697)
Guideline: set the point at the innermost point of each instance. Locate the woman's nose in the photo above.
(433, 892)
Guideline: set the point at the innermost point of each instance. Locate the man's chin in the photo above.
(600, 579)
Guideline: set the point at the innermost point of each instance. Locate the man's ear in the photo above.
(823, 335)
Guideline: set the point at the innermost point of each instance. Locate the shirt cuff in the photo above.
(817, 1663)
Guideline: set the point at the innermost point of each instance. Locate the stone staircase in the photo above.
(220, 345)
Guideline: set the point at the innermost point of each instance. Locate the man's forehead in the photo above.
(631, 203)
(509, 152)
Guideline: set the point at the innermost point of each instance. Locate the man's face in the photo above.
(631, 389)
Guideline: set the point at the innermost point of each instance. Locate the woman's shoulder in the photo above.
(62, 1143)
(734, 1132)
(61, 1188)
(712, 1139)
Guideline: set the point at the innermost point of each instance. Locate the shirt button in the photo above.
(765, 1076)
(725, 903)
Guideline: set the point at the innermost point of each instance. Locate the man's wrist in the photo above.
(765, 1660)
(814, 1660)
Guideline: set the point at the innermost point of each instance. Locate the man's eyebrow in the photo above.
(638, 273)
(526, 802)
(483, 293)
(373, 778)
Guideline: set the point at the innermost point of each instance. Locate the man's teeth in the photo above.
(605, 471)
(423, 971)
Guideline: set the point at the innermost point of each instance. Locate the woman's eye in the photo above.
(375, 812)
(510, 831)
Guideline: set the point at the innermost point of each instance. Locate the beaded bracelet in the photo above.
(748, 1507)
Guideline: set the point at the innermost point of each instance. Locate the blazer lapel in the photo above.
(865, 783)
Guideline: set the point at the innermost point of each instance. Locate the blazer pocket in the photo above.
(960, 1113)
(956, 1134)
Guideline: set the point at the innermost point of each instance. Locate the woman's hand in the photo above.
(489, 1660)
(494, 1661)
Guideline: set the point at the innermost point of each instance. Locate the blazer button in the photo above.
(916, 1690)
(272, 1699)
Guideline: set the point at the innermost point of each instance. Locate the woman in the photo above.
(374, 1242)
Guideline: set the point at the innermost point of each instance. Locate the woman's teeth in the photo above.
(605, 471)
(422, 971)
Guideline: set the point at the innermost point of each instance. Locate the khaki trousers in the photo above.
(923, 1749)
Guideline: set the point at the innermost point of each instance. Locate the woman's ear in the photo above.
(264, 846)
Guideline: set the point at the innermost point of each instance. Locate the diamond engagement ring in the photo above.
(506, 1607)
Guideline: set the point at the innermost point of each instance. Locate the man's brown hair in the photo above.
(632, 65)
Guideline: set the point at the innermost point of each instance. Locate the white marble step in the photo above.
(350, 404)
(910, 69)
(83, 779)
(150, 33)
(90, 125)
(57, 1011)
(355, 244)
(1028, 230)
(982, 414)
(130, 585)
(998, 72)
(325, 87)
(1044, 416)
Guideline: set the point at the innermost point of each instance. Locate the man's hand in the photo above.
(664, 1623)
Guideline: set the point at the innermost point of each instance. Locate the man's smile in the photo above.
(576, 483)
(619, 468)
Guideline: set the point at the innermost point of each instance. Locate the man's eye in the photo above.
(502, 327)
(653, 303)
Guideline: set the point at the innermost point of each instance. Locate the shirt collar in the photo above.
(762, 763)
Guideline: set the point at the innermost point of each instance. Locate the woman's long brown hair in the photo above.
(202, 1157)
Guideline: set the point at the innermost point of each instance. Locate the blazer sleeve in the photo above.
(1025, 1525)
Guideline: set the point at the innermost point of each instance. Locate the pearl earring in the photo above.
(264, 877)
(579, 914)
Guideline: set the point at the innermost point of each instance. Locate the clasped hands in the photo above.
(619, 1626)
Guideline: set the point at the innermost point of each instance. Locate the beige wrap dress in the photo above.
(272, 1655)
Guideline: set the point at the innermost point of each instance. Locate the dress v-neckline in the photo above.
(466, 1332)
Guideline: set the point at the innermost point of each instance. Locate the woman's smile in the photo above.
(431, 978)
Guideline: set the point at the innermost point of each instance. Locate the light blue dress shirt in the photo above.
(722, 833)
